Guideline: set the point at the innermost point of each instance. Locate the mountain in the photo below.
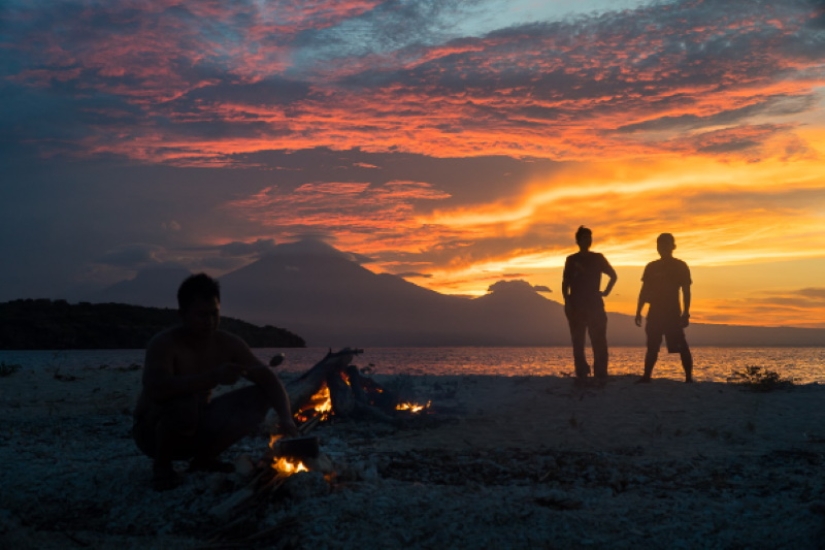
(152, 287)
(330, 299)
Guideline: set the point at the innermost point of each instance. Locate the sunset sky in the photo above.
(456, 143)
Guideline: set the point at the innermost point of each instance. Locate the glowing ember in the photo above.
(412, 407)
(287, 466)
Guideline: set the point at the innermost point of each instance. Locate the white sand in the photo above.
(503, 463)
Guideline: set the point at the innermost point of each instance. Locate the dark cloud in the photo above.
(803, 298)
(137, 255)
(259, 247)
(775, 106)
(270, 91)
(413, 275)
(520, 285)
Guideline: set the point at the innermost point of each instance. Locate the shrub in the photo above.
(758, 379)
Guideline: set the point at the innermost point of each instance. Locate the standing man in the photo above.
(661, 282)
(584, 304)
(175, 417)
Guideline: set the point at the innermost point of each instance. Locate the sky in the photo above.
(453, 142)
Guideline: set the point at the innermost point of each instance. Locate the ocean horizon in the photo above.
(711, 364)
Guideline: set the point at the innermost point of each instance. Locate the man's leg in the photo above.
(687, 363)
(167, 433)
(226, 420)
(598, 338)
(677, 343)
(654, 342)
(578, 330)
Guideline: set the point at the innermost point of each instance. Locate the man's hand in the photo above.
(638, 319)
(685, 320)
(606, 293)
(229, 373)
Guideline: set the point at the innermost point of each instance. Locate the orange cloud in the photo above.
(363, 217)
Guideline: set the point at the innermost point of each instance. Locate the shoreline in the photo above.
(521, 462)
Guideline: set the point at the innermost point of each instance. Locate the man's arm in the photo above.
(641, 301)
(686, 310)
(639, 305)
(611, 273)
(260, 375)
(565, 280)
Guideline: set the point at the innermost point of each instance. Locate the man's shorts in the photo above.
(183, 415)
(673, 333)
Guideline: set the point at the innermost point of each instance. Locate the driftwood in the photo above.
(343, 401)
(359, 397)
(302, 389)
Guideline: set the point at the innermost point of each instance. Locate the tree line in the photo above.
(56, 324)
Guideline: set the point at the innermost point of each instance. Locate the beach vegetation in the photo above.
(759, 379)
(7, 369)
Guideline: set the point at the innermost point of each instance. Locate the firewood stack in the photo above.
(352, 396)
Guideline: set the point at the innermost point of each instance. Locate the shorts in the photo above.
(183, 415)
(673, 333)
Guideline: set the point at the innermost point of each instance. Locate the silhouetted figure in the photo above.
(584, 304)
(661, 282)
(175, 417)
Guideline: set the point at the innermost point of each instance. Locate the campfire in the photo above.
(332, 389)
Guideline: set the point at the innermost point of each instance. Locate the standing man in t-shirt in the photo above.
(584, 304)
(661, 283)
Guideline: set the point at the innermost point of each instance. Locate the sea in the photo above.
(717, 364)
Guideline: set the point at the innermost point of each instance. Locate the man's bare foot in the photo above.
(164, 477)
(210, 465)
(643, 380)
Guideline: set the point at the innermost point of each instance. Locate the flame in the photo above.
(412, 407)
(325, 407)
(320, 403)
(287, 466)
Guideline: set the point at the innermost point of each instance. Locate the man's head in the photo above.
(666, 244)
(584, 238)
(199, 303)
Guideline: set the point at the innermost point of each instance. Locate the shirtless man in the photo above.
(175, 417)
(661, 282)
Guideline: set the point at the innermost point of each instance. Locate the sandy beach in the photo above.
(519, 462)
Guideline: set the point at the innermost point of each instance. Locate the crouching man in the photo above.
(175, 417)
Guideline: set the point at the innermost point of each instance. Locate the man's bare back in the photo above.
(175, 417)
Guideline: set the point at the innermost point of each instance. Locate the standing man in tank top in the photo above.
(584, 304)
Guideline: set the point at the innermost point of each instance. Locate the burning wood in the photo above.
(412, 407)
(330, 389)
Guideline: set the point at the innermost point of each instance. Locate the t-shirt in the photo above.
(662, 280)
(583, 273)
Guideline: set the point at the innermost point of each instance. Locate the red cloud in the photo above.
(561, 90)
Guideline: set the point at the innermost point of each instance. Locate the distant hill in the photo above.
(48, 324)
(329, 298)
